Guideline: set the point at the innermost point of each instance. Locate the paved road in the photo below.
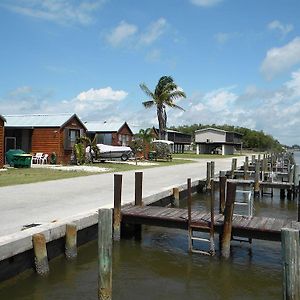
(44, 202)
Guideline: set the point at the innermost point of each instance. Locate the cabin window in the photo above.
(104, 138)
(124, 139)
(71, 136)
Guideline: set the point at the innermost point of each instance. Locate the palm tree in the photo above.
(166, 91)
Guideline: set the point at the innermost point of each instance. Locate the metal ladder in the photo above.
(249, 203)
(197, 227)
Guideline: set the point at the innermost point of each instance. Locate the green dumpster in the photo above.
(9, 155)
(22, 160)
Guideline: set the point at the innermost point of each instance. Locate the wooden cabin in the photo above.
(2, 122)
(46, 133)
(115, 134)
(213, 140)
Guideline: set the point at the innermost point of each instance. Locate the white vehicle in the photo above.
(111, 152)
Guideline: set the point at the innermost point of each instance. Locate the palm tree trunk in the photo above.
(161, 123)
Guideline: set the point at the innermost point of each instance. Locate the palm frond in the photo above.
(148, 104)
(146, 90)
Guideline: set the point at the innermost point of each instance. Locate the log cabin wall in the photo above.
(64, 155)
(1, 143)
(46, 140)
(123, 131)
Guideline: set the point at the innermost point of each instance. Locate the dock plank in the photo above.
(257, 227)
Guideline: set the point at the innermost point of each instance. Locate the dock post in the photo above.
(40, 254)
(71, 241)
(105, 254)
(222, 191)
(138, 188)
(212, 168)
(299, 201)
(208, 175)
(256, 181)
(228, 214)
(233, 167)
(189, 206)
(253, 159)
(138, 200)
(176, 195)
(291, 263)
(117, 206)
(246, 167)
(212, 218)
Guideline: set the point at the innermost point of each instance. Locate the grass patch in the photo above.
(31, 175)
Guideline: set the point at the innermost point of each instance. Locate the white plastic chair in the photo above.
(37, 158)
(44, 159)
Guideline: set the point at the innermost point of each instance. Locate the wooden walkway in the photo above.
(254, 227)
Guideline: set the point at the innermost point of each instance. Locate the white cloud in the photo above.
(294, 84)
(154, 55)
(220, 100)
(280, 59)
(58, 11)
(121, 33)
(224, 37)
(154, 31)
(132, 36)
(205, 3)
(283, 29)
(104, 94)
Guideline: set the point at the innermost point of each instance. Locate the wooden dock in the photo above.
(242, 226)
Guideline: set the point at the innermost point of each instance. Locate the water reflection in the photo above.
(159, 267)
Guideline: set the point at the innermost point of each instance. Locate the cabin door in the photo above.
(10, 143)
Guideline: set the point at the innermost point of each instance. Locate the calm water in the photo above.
(159, 267)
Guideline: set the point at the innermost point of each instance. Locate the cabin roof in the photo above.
(105, 126)
(40, 120)
(2, 118)
(218, 130)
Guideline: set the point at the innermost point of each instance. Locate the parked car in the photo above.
(108, 152)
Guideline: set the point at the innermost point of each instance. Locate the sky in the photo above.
(238, 61)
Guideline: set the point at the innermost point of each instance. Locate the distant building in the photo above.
(115, 134)
(181, 140)
(2, 121)
(45, 133)
(213, 140)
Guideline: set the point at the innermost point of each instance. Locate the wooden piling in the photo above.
(117, 206)
(212, 169)
(40, 254)
(105, 254)
(212, 218)
(299, 201)
(189, 206)
(176, 195)
(291, 263)
(208, 175)
(71, 241)
(222, 191)
(256, 180)
(246, 168)
(228, 213)
(233, 167)
(138, 188)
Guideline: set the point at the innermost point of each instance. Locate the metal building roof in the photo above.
(37, 120)
(104, 126)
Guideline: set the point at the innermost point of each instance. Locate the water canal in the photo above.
(159, 267)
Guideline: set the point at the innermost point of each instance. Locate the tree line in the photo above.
(252, 139)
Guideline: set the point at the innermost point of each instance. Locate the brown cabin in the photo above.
(46, 133)
(2, 121)
(115, 134)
